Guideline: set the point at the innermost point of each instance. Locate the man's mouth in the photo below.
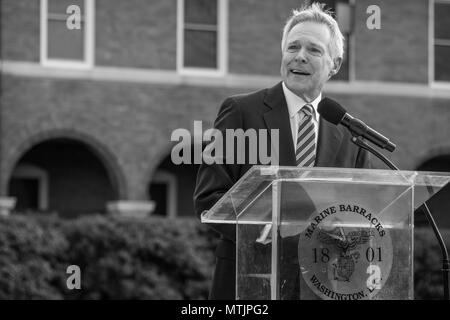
(300, 72)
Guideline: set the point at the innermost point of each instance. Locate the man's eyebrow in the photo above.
(295, 41)
(315, 44)
(308, 42)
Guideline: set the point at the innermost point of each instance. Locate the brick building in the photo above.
(87, 114)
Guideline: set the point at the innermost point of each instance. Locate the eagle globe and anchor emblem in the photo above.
(346, 243)
(345, 253)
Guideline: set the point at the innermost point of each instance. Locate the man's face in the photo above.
(306, 62)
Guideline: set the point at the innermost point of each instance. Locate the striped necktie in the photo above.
(305, 153)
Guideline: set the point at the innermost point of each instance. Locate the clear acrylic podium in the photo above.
(325, 233)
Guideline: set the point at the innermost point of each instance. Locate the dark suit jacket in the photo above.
(264, 109)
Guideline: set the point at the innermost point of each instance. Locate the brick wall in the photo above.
(20, 25)
(399, 50)
(419, 126)
(134, 121)
(255, 31)
(127, 33)
(136, 33)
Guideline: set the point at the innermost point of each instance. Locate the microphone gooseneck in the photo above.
(333, 112)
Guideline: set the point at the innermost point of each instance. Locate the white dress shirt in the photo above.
(295, 104)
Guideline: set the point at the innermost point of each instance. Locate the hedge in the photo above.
(428, 264)
(120, 258)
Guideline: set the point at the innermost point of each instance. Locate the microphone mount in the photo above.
(359, 128)
(359, 141)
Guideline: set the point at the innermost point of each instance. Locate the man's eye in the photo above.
(315, 51)
(292, 47)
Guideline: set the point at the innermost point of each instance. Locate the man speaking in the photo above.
(312, 52)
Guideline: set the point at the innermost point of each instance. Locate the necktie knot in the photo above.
(308, 110)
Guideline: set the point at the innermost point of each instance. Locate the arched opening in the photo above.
(61, 175)
(172, 188)
(441, 212)
(439, 163)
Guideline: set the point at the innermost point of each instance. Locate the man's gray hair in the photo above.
(316, 13)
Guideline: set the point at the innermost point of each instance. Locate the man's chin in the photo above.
(298, 89)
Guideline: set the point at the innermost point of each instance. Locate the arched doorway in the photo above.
(61, 175)
(441, 212)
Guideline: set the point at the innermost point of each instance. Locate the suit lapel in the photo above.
(329, 142)
(278, 118)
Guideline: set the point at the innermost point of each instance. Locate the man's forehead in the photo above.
(312, 31)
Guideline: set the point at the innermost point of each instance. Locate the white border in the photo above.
(170, 180)
(431, 42)
(222, 42)
(89, 39)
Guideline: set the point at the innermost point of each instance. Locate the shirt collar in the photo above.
(295, 103)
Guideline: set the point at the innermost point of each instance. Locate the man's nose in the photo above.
(301, 56)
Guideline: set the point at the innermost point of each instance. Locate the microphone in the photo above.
(333, 112)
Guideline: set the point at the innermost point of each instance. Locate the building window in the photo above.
(441, 38)
(163, 190)
(29, 184)
(202, 36)
(63, 45)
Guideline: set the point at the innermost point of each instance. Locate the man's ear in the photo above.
(337, 62)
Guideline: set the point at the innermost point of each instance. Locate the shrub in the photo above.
(428, 264)
(119, 258)
(31, 254)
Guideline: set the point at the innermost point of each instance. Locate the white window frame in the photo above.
(222, 42)
(29, 171)
(89, 39)
(351, 47)
(431, 43)
(170, 180)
